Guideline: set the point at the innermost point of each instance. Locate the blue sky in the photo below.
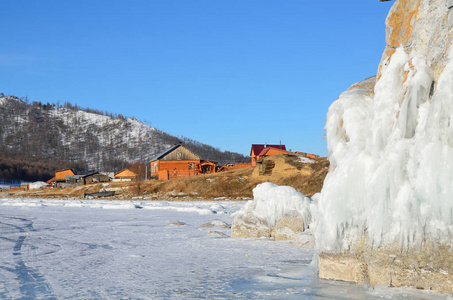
(225, 73)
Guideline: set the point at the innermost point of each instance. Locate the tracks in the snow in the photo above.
(32, 284)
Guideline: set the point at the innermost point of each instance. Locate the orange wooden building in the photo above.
(60, 177)
(125, 175)
(260, 151)
(179, 161)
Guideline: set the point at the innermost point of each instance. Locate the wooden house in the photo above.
(95, 178)
(208, 167)
(178, 161)
(260, 151)
(60, 178)
(125, 175)
(72, 180)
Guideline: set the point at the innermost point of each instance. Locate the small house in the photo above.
(260, 151)
(60, 178)
(125, 175)
(208, 167)
(95, 178)
(177, 161)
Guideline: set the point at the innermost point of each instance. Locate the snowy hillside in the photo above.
(98, 140)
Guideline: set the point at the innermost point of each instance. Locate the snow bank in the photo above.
(391, 159)
(201, 208)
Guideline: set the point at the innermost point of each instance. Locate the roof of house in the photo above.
(171, 149)
(64, 170)
(162, 154)
(127, 173)
(91, 174)
(257, 148)
(265, 150)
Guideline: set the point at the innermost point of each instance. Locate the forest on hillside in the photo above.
(39, 138)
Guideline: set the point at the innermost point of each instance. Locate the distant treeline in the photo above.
(13, 169)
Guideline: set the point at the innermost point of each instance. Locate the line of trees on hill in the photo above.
(11, 170)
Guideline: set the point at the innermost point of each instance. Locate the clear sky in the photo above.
(227, 73)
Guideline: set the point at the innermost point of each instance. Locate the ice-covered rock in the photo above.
(288, 226)
(276, 211)
(390, 186)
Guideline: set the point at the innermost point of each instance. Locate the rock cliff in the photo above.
(421, 26)
(385, 214)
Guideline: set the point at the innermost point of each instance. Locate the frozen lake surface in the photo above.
(73, 249)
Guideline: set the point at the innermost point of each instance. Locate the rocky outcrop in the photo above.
(286, 228)
(250, 226)
(422, 26)
(428, 267)
(289, 226)
(385, 210)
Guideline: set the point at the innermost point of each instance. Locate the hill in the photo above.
(39, 138)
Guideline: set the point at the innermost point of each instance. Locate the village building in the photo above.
(66, 178)
(125, 175)
(260, 151)
(74, 180)
(208, 167)
(95, 178)
(60, 178)
(178, 161)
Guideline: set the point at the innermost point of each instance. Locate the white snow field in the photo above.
(73, 249)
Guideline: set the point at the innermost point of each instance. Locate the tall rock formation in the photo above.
(385, 214)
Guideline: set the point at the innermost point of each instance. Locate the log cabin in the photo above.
(177, 161)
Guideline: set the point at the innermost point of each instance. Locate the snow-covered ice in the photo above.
(76, 249)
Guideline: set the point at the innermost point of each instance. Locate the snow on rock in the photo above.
(385, 153)
(306, 160)
(391, 159)
(276, 211)
(390, 187)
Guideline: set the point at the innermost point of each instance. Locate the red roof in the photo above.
(262, 153)
(257, 148)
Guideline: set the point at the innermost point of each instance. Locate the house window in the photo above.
(156, 168)
(191, 166)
